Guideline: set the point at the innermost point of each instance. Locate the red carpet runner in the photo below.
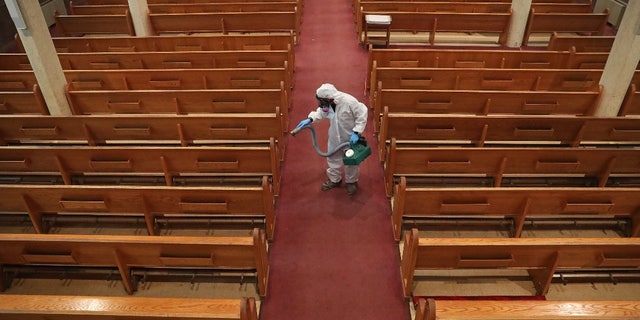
(333, 256)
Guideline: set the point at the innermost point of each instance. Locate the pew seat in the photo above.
(541, 258)
(515, 204)
(126, 255)
(57, 307)
(431, 309)
(39, 202)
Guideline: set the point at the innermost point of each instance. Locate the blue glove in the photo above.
(354, 138)
(303, 123)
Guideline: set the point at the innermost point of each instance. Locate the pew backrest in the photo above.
(516, 203)
(127, 252)
(548, 22)
(149, 202)
(581, 43)
(435, 22)
(508, 130)
(143, 129)
(432, 309)
(498, 163)
(111, 24)
(86, 102)
(59, 307)
(69, 162)
(542, 257)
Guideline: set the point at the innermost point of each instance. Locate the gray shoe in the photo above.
(330, 185)
(352, 188)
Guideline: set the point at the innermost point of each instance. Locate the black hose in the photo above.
(315, 142)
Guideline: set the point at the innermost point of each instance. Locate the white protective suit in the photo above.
(350, 116)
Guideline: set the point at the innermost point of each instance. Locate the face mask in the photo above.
(325, 104)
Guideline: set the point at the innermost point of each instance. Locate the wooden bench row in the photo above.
(116, 2)
(158, 79)
(485, 102)
(148, 202)
(581, 43)
(544, 21)
(432, 309)
(173, 43)
(127, 253)
(142, 129)
(25, 101)
(516, 204)
(386, 7)
(153, 60)
(549, 22)
(171, 129)
(276, 81)
(168, 97)
(540, 257)
(506, 130)
(91, 9)
(172, 23)
(170, 163)
(570, 80)
(86, 102)
(485, 79)
(595, 165)
(109, 24)
(486, 58)
(438, 22)
(56, 307)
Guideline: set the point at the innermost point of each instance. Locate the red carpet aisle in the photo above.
(333, 257)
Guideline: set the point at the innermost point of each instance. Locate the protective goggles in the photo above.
(324, 103)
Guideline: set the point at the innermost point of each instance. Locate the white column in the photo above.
(36, 39)
(520, 14)
(139, 10)
(622, 62)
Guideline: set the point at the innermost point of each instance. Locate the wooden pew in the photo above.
(72, 163)
(173, 43)
(430, 309)
(631, 103)
(514, 203)
(214, 129)
(23, 102)
(434, 22)
(186, 7)
(541, 257)
(486, 79)
(153, 60)
(84, 102)
(484, 58)
(548, 22)
(593, 165)
(483, 79)
(115, 2)
(124, 253)
(485, 102)
(140, 129)
(506, 130)
(149, 202)
(563, 7)
(580, 43)
(168, 43)
(56, 307)
(80, 25)
(385, 7)
(159, 79)
(18, 80)
(225, 22)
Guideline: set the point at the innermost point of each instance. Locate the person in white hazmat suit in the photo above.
(348, 119)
